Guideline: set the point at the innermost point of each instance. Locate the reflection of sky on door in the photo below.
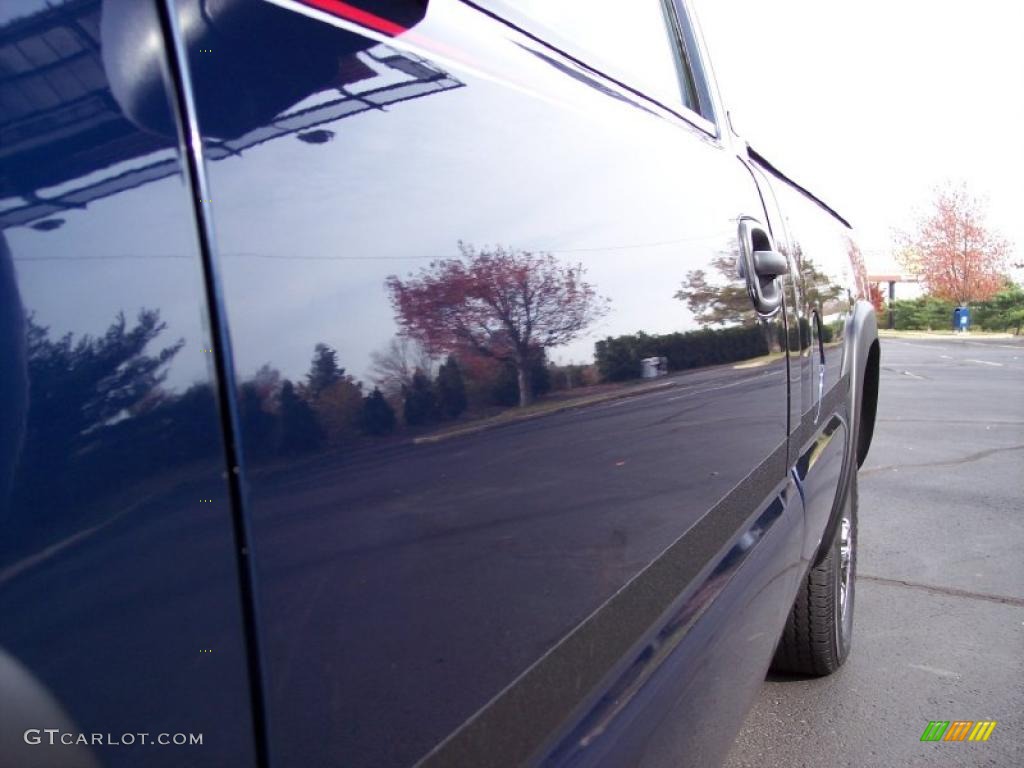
(130, 251)
(308, 233)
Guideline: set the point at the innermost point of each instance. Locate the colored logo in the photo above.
(958, 730)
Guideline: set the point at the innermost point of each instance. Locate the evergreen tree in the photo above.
(257, 423)
(420, 403)
(378, 417)
(324, 370)
(299, 431)
(451, 390)
(78, 389)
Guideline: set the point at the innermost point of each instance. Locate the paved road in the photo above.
(940, 592)
(393, 563)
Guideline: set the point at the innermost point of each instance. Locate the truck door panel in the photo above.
(119, 584)
(827, 260)
(408, 580)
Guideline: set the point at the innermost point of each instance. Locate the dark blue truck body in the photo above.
(222, 517)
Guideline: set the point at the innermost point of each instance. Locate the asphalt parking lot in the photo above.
(939, 628)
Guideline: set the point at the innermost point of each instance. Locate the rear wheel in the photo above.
(819, 629)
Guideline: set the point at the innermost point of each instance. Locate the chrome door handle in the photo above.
(761, 264)
(770, 263)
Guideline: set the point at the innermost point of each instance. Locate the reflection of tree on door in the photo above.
(722, 298)
(819, 288)
(98, 394)
(394, 366)
(719, 299)
(500, 303)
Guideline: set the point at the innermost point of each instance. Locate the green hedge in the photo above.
(1003, 312)
(618, 358)
(923, 314)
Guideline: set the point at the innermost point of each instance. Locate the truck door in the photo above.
(822, 257)
(448, 239)
(122, 638)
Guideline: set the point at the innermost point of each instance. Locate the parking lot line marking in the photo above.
(935, 670)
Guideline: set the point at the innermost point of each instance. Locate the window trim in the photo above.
(682, 33)
(693, 56)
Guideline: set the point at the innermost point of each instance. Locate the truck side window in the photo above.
(639, 44)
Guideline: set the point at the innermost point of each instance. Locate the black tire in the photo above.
(819, 630)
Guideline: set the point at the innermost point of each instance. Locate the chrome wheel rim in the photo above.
(845, 563)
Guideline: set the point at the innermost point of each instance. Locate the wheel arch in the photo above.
(861, 360)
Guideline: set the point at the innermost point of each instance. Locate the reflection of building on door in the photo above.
(49, 109)
(653, 367)
(910, 288)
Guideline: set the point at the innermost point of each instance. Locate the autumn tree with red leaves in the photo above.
(501, 303)
(956, 255)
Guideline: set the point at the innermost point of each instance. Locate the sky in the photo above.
(874, 103)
